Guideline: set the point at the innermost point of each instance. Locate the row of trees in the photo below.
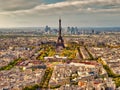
(91, 56)
(11, 64)
(117, 81)
(116, 77)
(79, 52)
(44, 82)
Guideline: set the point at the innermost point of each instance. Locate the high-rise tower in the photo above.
(60, 41)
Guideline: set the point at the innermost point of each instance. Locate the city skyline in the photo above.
(81, 13)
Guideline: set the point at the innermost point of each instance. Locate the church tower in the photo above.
(60, 41)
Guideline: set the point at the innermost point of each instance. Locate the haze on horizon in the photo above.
(82, 13)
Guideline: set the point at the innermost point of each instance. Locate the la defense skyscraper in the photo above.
(60, 41)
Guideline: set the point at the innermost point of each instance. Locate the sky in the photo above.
(39, 13)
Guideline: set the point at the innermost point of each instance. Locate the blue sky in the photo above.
(81, 13)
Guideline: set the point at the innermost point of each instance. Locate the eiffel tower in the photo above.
(60, 41)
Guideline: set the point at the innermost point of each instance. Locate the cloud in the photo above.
(25, 7)
(13, 5)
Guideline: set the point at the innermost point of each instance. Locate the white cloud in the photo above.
(13, 5)
(32, 12)
(23, 7)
